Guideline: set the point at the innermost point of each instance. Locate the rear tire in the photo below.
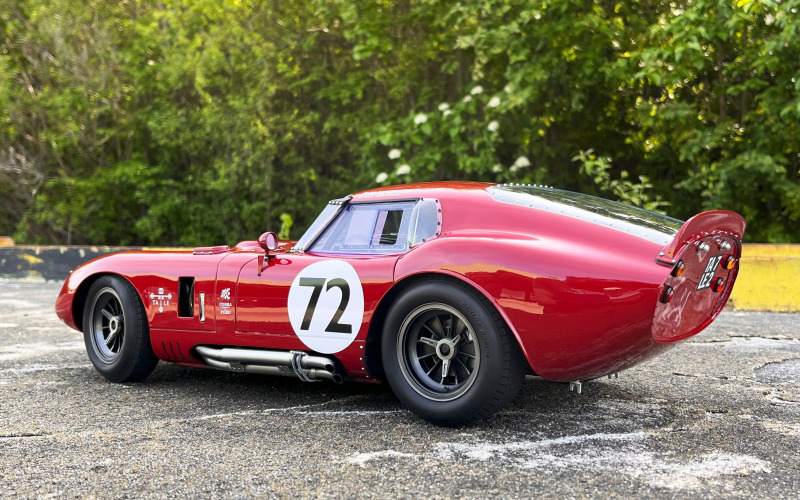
(115, 331)
(447, 354)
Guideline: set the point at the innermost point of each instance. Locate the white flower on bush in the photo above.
(444, 106)
(507, 89)
(381, 178)
(420, 118)
(403, 169)
(497, 168)
(394, 154)
(468, 99)
(493, 126)
(494, 102)
(477, 89)
(522, 162)
(447, 112)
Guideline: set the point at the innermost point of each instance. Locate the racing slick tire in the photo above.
(115, 331)
(447, 354)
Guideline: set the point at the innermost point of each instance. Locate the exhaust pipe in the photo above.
(292, 364)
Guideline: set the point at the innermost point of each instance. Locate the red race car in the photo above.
(452, 292)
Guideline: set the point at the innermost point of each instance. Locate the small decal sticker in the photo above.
(326, 306)
(161, 299)
(224, 306)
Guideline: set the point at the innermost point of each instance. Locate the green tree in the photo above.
(185, 122)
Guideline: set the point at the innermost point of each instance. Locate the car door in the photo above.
(323, 299)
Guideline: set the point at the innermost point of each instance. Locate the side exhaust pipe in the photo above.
(292, 364)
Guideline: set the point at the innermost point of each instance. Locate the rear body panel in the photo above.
(708, 247)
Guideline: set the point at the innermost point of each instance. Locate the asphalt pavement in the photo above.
(718, 416)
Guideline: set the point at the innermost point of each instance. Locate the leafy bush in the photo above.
(188, 122)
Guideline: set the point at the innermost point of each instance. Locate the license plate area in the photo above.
(708, 274)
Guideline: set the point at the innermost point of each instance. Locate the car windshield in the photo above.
(634, 220)
(322, 220)
(368, 228)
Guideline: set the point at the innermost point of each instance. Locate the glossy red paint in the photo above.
(583, 300)
(580, 302)
(691, 310)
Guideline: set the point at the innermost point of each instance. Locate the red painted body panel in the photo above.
(580, 307)
(690, 310)
(582, 299)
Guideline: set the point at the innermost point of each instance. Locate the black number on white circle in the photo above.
(317, 284)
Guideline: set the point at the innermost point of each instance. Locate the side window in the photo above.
(425, 222)
(374, 228)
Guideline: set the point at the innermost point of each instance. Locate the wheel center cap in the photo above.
(445, 349)
(113, 324)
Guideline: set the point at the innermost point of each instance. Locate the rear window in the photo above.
(627, 218)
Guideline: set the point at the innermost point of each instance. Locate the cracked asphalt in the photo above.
(718, 416)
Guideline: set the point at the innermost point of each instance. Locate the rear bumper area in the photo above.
(698, 287)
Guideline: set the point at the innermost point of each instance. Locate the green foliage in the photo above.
(187, 122)
(286, 227)
(623, 189)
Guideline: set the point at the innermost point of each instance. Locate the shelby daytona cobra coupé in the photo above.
(451, 292)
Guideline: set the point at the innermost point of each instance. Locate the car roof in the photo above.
(551, 204)
(420, 190)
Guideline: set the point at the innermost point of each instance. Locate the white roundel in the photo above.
(326, 305)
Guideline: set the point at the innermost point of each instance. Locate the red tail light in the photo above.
(719, 285)
(666, 298)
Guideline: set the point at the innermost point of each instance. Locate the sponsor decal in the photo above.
(161, 299)
(326, 306)
(224, 305)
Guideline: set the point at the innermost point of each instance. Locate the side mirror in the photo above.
(269, 242)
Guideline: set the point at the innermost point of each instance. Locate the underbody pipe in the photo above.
(294, 363)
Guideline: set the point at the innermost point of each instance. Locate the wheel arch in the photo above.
(82, 293)
(372, 354)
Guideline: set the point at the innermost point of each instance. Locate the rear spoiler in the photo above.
(712, 223)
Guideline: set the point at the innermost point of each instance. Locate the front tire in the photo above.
(115, 331)
(447, 354)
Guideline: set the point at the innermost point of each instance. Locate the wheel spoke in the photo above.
(433, 367)
(445, 368)
(424, 356)
(435, 335)
(426, 340)
(107, 314)
(111, 338)
(465, 354)
(466, 368)
(458, 326)
(441, 326)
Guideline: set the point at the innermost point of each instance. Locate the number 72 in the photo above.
(318, 284)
